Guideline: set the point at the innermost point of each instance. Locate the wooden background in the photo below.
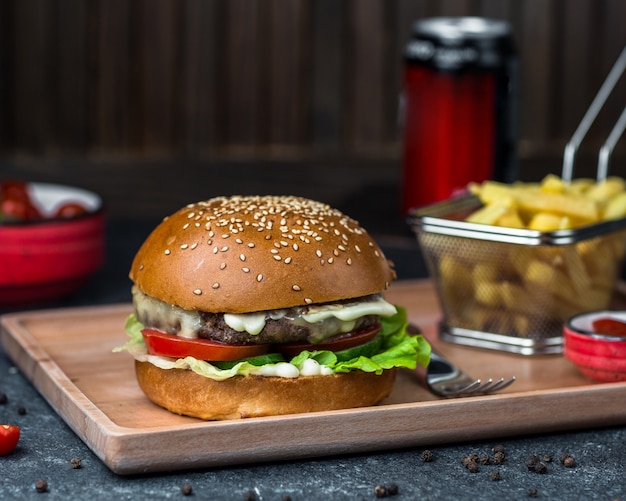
(99, 87)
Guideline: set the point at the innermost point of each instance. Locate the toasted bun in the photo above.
(243, 254)
(185, 392)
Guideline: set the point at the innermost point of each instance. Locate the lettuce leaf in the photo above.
(400, 348)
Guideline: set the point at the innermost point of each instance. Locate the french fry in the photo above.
(604, 190)
(546, 221)
(576, 269)
(490, 213)
(510, 219)
(553, 184)
(560, 203)
(616, 207)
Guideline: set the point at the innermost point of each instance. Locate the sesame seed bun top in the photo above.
(243, 254)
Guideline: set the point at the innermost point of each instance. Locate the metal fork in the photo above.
(446, 380)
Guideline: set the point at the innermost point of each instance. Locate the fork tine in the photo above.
(487, 387)
(502, 383)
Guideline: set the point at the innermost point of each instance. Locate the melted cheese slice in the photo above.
(346, 314)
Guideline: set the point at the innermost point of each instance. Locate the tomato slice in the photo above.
(70, 209)
(169, 345)
(9, 436)
(337, 343)
(609, 326)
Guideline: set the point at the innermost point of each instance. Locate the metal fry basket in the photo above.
(512, 289)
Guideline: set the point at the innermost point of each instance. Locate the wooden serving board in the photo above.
(67, 355)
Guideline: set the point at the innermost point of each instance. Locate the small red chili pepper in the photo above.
(9, 436)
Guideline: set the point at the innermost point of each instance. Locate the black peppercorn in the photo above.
(392, 489)
(485, 459)
(531, 461)
(249, 496)
(495, 475)
(540, 467)
(75, 462)
(569, 462)
(547, 458)
(3, 398)
(498, 457)
(286, 497)
(41, 486)
(533, 493)
(563, 455)
(185, 489)
(380, 491)
(472, 466)
(21, 411)
(497, 448)
(427, 456)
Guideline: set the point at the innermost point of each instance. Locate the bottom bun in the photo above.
(185, 392)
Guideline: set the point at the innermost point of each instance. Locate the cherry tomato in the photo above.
(70, 209)
(609, 326)
(338, 343)
(14, 188)
(169, 345)
(9, 436)
(20, 209)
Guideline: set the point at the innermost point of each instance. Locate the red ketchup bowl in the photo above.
(596, 343)
(51, 256)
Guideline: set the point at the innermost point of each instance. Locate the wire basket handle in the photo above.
(592, 112)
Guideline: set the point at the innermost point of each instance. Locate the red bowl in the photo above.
(598, 356)
(50, 258)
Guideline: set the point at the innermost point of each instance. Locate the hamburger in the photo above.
(265, 305)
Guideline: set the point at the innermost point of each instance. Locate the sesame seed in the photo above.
(277, 258)
(238, 240)
(357, 248)
(193, 246)
(215, 250)
(349, 261)
(245, 269)
(185, 226)
(223, 266)
(274, 251)
(242, 257)
(308, 300)
(259, 277)
(331, 260)
(216, 285)
(287, 260)
(184, 246)
(224, 249)
(296, 288)
(341, 248)
(225, 235)
(167, 252)
(318, 253)
(197, 292)
(251, 245)
(295, 247)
